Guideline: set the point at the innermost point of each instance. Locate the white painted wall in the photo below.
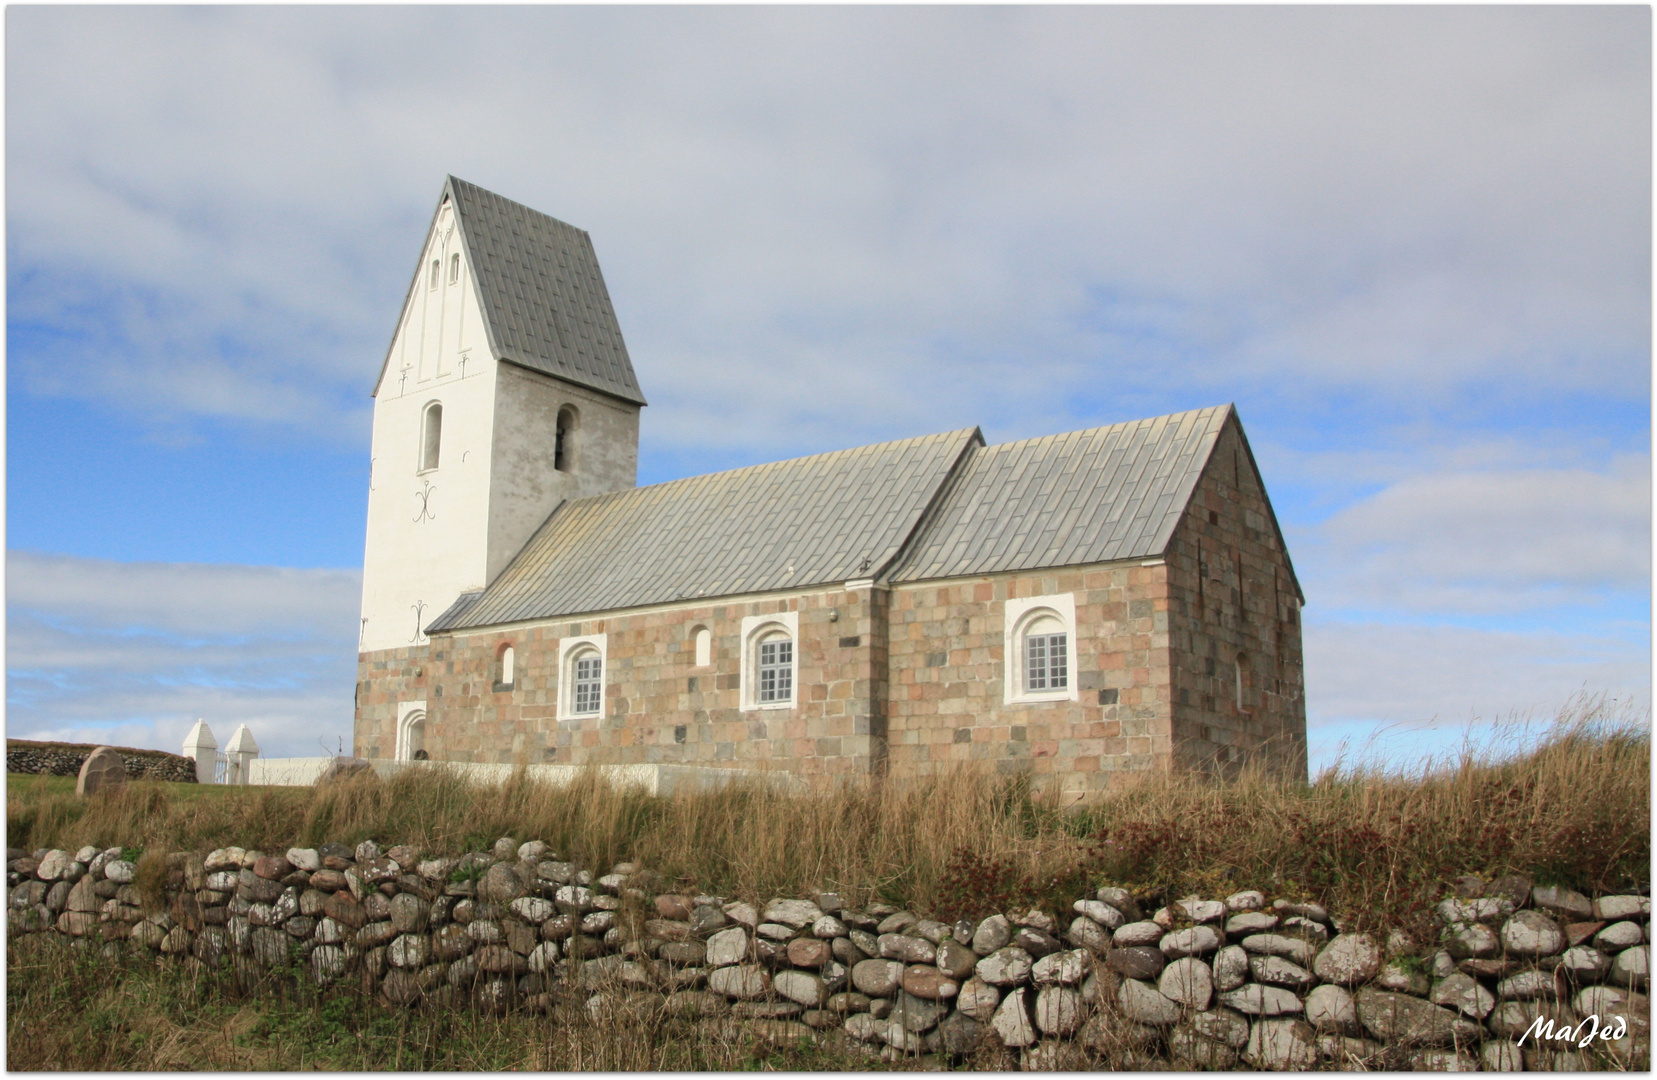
(428, 530)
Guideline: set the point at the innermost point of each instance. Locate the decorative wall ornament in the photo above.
(427, 488)
(419, 609)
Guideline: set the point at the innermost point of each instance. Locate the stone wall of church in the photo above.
(948, 664)
(385, 678)
(1238, 690)
(659, 706)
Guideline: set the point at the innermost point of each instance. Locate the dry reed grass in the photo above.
(1375, 843)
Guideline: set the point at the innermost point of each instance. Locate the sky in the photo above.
(1412, 244)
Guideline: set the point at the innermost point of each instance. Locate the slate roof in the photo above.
(815, 520)
(544, 303)
(1092, 496)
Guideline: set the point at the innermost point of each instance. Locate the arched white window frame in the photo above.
(702, 642)
(755, 630)
(454, 268)
(410, 714)
(1021, 615)
(570, 650)
(431, 437)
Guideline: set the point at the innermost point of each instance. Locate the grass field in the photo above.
(1377, 846)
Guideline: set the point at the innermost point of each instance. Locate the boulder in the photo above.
(102, 769)
(1610, 908)
(1567, 902)
(1255, 999)
(1010, 966)
(1065, 968)
(1144, 932)
(801, 987)
(1011, 1022)
(977, 999)
(992, 934)
(1136, 962)
(1231, 968)
(1348, 959)
(1330, 1008)
(877, 978)
(1464, 994)
(1145, 1004)
(1631, 967)
(1187, 981)
(926, 981)
(1282, 1046)
(1279, 972)
(1531, 933)
(1058, 1011)
(1409, 1020)
(1192, 941)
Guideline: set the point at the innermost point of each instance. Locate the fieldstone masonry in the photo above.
(1559, 982)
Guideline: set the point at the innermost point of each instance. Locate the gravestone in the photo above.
(103, 768)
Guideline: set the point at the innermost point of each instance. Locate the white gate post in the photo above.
(240, 753)
(199, 746)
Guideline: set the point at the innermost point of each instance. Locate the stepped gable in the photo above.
(809, 521)
(543, 298)
(1095, 496)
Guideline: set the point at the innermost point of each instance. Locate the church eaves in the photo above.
(545, 306)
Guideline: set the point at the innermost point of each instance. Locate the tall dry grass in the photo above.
(1376, 843)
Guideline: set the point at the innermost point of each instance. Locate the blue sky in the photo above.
(1412, 244)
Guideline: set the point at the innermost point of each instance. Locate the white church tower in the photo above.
(507, 390)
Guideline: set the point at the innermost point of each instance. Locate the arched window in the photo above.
(586, 682)
(563, 451)
(431, 436)
(1244, 682)
(436, 265)
(1046, 656)
(776, 668)
(505, 668)
(581, 676)
(454, 269)
(704, 646)
(1040, 649)
(770, 660)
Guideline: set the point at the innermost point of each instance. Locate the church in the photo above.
(1076, 607)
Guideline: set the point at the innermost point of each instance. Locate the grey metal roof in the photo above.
(545, 306)
(1085, 497)
(810, 521)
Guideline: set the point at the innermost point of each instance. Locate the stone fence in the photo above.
(65, 759)
(1522, 977)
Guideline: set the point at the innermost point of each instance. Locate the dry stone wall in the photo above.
(1201, 983)
(65, 759)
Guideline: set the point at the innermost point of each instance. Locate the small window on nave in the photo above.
(454, 269)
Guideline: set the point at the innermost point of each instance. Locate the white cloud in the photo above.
(1411, 675)
(134, 653)
(799, 209)
(1488, 541)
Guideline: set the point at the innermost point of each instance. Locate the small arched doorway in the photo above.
(411, 732)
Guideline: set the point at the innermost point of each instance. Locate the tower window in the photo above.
(454, 269)
(436, 266)
(431, 436)
(563, 450)
(704, 647)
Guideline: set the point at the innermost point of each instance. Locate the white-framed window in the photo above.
(770, 660)
(704, 646)
(1039, 646)
(437, 265)
(454, 268)
(431, 436)
(581, 665)
(506, 667)
(411, 730)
